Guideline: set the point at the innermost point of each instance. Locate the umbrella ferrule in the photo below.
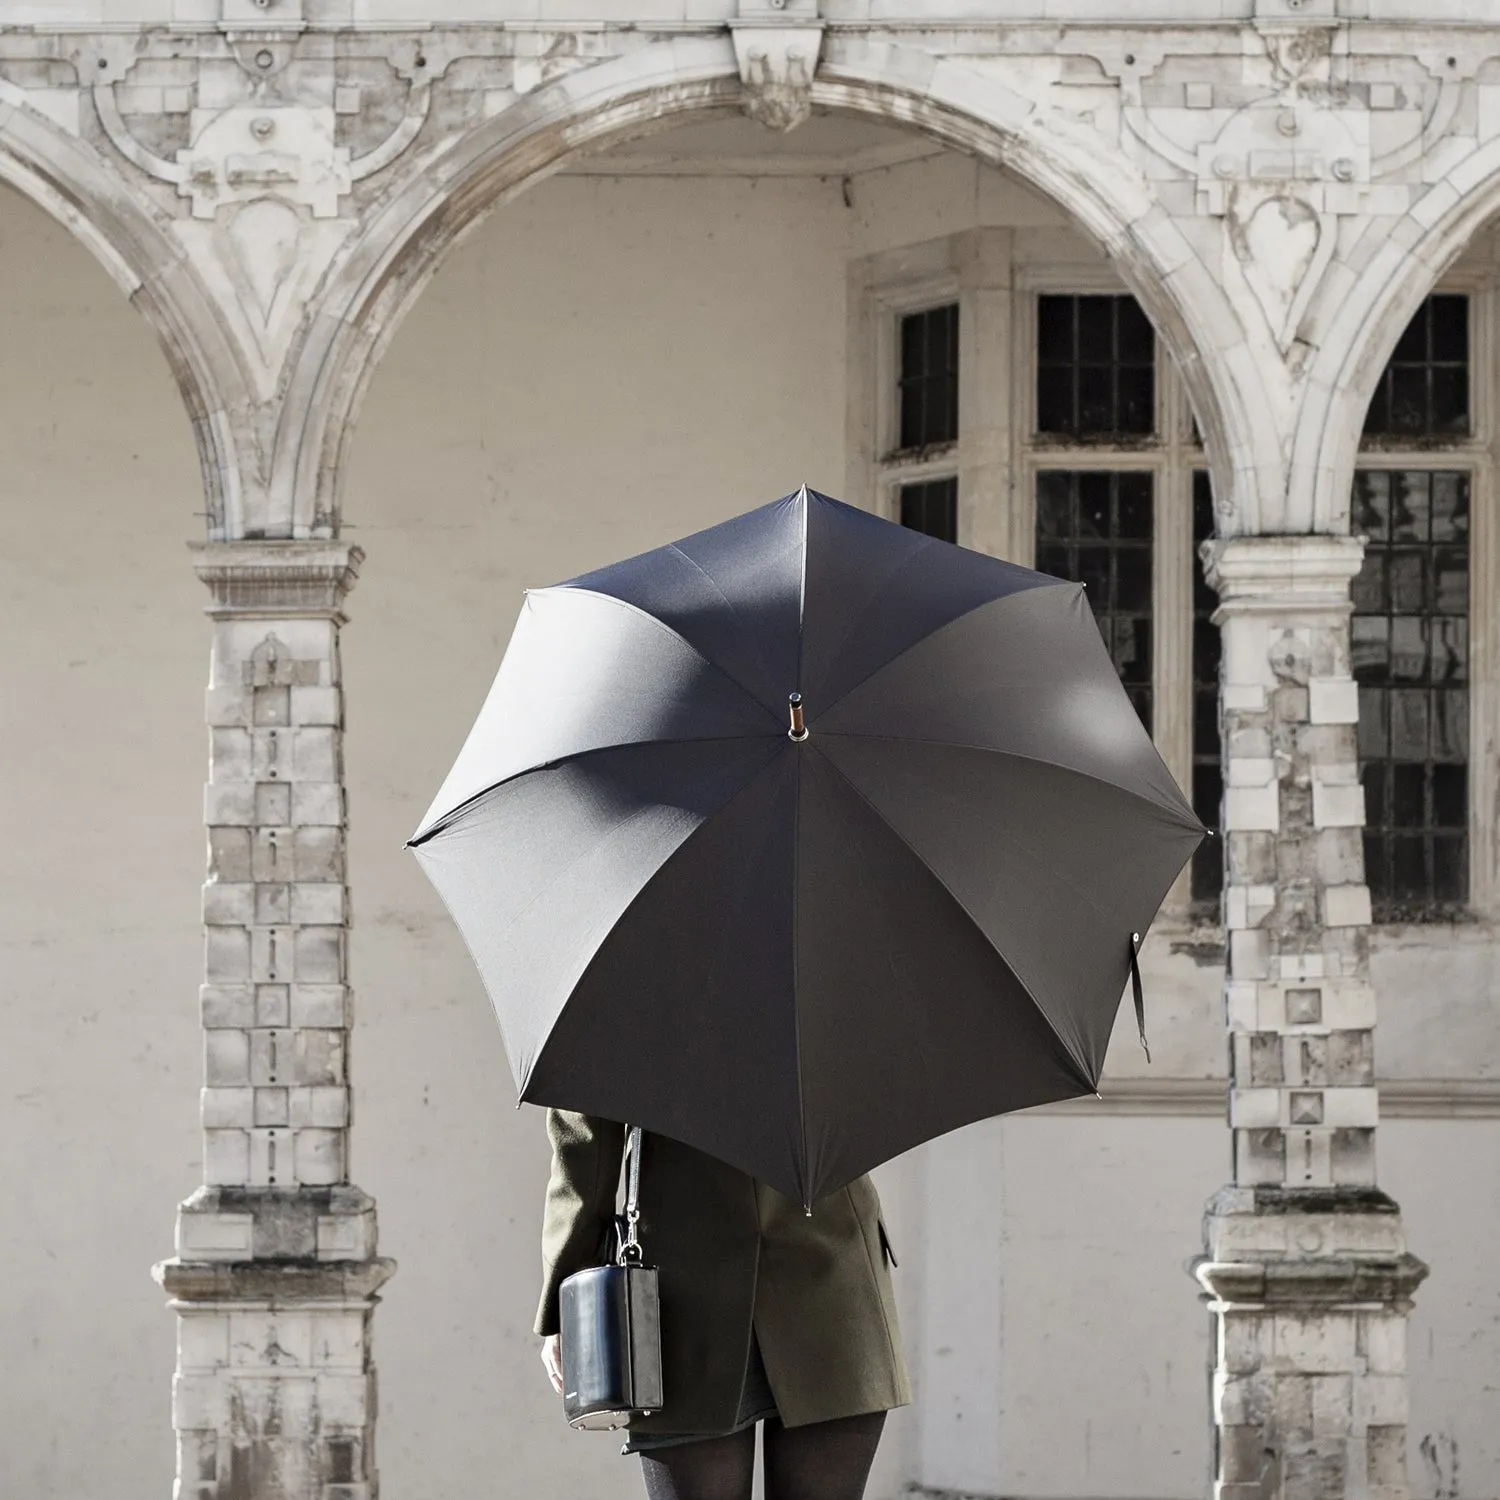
(798, 731)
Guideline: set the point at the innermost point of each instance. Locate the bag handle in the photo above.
(630, 1246)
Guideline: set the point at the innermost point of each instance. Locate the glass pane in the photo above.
(1424, 390)
(1095, 367)
(931, 507)
(929, 377)
(1411, 630)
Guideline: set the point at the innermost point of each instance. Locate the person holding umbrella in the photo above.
(795, 844)
(769, 1315)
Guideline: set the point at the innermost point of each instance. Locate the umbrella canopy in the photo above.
(806, 951)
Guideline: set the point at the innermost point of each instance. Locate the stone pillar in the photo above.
(275, 1275)
(1306, 1270)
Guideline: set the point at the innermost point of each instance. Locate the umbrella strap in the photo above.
(1140, 998)
(630, 1250)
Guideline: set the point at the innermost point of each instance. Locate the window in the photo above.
(1097, 527)
(1096, 368)
(931, 506)
(1409, 634)
(929, 378)
(1206, 884)
(1410, 646)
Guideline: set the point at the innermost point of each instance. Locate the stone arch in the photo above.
(1404, 262)
(379, 276)
(65, 178)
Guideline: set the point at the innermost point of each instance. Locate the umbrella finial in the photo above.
(798, 731)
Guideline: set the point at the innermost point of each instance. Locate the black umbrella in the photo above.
(805, 840)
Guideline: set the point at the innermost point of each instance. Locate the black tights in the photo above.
(821, 1461)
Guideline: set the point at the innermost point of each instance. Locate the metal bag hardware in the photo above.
(611, 1326)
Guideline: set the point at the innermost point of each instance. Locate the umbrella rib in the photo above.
(1089, 1085)
(913, 739)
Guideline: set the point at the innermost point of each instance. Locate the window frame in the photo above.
(1476, 455)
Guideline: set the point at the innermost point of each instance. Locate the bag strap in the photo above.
(630, 1246)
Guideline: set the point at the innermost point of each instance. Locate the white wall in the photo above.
(606, 364)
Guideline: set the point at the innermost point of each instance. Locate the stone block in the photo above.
(200, 1401)
(1252, 808)
(1300, 966)
(1314, 1470)
(346, 1236)
(1318, 1344)
(226, 1057)
(273, 903)
(319, 1156)
(1240, 1002)
(1338, 806)
(1265, 1059)
(271, 855)
(316, 755)
(226, 954)
(271, 1107)
(1249, 954)
(271, 953)
(1252, 858)
(214, 1236)
(321, 903)
(1332, 1405)
(271, 1056)
(325, 1106)
(1380, 1339)
(222, 1108)
(1380, 1401)
(229, 804)
(226, 1157)
(1352, 1157)
(270, 707)
(1251, 771)
(202, 1341)
(223, 706)
(320, 1005)
(1254, 1108)
(319, 853)
(1333, 700)
(1307, 1060)
(1348, 1004)
(273, 804)
(338, 1341)
(271, 1158)
(1246, 1454)
(229, 754)
(1304, 1006)
(226, 903)
(1305, 1107)
(1245, 1343)
(273, 1005)
(1351, 1059)
(1243, 1399)
(1385, 1459)
(344, 1400)
(1242, 697)
(1293, 1408)
(224, 1005)
(1346, 906)
(318, 803)
(316, 705)
(319, 954)
(1249, 744)
(229, 854)
(318, 1058)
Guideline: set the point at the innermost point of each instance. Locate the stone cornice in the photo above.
(277, 1283)
(1279, 573)
(1316, 1282)
(275, 580)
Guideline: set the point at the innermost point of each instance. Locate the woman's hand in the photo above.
(552, 1361)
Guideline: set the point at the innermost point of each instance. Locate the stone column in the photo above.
(1306, 1270)
(275, 1275)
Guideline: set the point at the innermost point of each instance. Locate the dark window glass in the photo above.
(931, 507)
(1208, 772)
(929, 377)
(1424, 390)
(1096, 368)
(1097, 529)
(1410, 646)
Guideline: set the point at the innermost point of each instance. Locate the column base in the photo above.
(1309, 1290)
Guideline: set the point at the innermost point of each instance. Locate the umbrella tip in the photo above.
(798, 731)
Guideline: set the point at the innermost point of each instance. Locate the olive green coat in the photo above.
(732, 1254)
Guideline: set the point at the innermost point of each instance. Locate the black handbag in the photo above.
(611, 1325)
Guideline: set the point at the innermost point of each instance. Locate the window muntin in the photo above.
(927, 395)
(931, 507)
(1424, 391)
(1096, 368)
(1410, 648)
(1097, 527)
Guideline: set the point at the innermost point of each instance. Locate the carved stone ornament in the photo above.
(777, 64)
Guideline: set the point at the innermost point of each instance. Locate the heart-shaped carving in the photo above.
(263, 238)
(1285, 247)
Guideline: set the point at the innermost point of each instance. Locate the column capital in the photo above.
(265, 580)
(1274, 574)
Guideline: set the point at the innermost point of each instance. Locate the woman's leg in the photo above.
(822, 1461)
(719, 1468)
